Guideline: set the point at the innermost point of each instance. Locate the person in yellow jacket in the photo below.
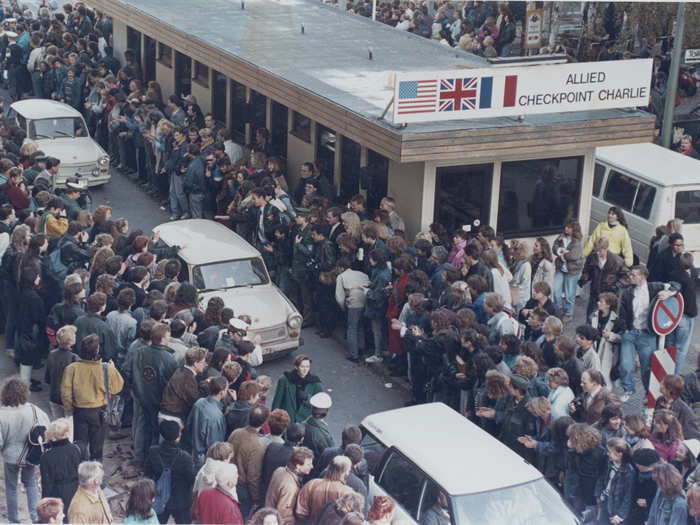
(53, 222)
(615, 231)
(83, 394)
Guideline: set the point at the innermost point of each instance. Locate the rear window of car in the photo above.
(688, 206)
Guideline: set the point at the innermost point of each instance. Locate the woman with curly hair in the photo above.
(666, 434)
(585, 462)
(669, 506)
(352, 224)
(382, 510)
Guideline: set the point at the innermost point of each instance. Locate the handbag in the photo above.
(111, 411)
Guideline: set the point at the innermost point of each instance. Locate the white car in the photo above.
(219, 262)
(440, 468)
(59, 131)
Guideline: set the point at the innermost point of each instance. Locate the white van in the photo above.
(652, 185)
(439, 467)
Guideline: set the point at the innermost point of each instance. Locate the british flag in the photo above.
(458, 94)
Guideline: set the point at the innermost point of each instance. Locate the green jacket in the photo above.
(148, 373)
(286, 396)
(73, 208)
(318, 438)
(302, 253)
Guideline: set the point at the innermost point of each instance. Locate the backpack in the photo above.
(163, 486)
(34, 445)
(55, 265)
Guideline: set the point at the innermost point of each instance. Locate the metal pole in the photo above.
(374, 9)
(672, 83)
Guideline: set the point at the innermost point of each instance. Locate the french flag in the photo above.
(510, 89)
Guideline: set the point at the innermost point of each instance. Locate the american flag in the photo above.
(417, 96)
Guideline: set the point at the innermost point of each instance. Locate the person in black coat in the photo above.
(680, 337)
(667, 261)
(31, 325)
(644, 486)
(169, 454)
(59, 463)
(278, 454)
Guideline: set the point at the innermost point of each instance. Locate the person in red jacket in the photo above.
(219, 505)
(15, 190)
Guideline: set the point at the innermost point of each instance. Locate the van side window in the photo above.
(620, 190)
(644, 200)
(688, 206)
(598, 179)
(403, 481)
(435, 506)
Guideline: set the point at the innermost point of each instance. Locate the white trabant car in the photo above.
(439, 467)
(59, 130)
(219, 262)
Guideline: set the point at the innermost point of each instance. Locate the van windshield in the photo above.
(532, 503)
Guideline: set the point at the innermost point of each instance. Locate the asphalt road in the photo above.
(356, 390)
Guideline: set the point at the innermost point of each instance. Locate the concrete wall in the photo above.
(119, 37)
(203, 94)
(299, 152)
(165, 76)
(414, 199)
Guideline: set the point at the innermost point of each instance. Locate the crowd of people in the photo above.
(467, 318)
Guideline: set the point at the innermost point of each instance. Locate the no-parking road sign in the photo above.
(666, 314)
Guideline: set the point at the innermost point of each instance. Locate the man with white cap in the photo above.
(231, 338)
(318, 437)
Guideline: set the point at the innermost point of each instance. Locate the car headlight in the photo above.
(103, 161)
(294, 321)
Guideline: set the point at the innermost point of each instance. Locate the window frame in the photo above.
(550, 230)
(599, 182)
(638, 190)
(298, 131)
(613, 174)
(388, 455)
(675, 205)
(198, 74)
(488, 170)
(161, 57)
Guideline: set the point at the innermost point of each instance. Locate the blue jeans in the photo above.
(680, 338)
(29, 482)
(178, 199)
(11, 320)
(642, 343)
(565, 284)
(379, 333)
(244, 501)
(144, 430)
(356, 331)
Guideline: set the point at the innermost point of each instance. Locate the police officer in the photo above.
(317, 436)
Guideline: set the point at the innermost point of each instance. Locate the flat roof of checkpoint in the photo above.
(331, 58)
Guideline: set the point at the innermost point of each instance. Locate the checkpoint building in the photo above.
(318, 79)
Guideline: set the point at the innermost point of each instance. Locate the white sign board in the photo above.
(692, 56)
(498, 92)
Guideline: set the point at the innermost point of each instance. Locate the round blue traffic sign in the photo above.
(666, 314)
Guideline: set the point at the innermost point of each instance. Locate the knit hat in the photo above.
(645, 457)
(519, 381)
(169, 429)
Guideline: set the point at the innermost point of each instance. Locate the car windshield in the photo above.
(533, 503)
(52, 128)
(229, 274)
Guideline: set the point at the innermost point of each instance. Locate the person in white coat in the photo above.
(560, 394)
(17, 418)
(605, 320)
(350, 294)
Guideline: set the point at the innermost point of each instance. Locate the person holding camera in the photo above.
(589, 406)
(53, 222)
(75, 200)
